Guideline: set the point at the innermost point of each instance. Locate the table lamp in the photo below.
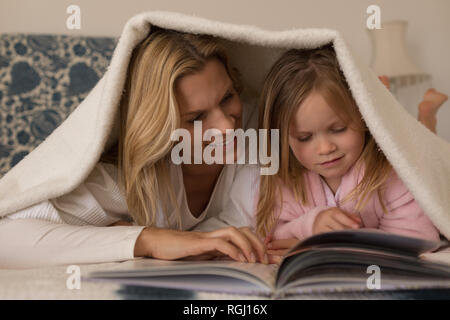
(390, 57)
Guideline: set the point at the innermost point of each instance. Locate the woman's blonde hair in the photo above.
(149, 114)
(291, 79)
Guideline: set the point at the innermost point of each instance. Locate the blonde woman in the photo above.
(148, 202)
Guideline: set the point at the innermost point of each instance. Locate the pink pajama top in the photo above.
(404, 215)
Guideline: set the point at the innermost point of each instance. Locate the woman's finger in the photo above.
(206, 256)
(257, 244)
(238, 239)
(283, 243)
(223, 246)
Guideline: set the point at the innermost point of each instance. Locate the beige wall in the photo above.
(428, 34)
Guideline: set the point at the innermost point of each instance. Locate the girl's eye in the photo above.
(225, 99)
(337, 130)
(304, 139)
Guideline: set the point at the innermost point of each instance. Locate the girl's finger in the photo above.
(346, 221)
(275, 259)
(257, 244)
(283, 243)
(327, 229)
(268, 239)
(278, 252)
(322, 229)
(335, 225)
(355, 217)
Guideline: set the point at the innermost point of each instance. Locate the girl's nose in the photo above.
(325, 146)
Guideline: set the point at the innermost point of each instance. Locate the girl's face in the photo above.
(209, 96)
(321, 141)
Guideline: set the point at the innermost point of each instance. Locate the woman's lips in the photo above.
(225, 144)
(331, 163)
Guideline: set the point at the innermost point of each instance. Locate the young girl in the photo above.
(332, 174)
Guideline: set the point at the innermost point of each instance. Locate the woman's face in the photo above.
(210, 97)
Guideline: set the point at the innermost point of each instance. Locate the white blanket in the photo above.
(67, 156)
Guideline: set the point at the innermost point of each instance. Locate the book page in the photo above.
(441, 256)
(369, 238)
(260, 275)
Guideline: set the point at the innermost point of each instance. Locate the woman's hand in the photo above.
(333, 219)
(238, 244)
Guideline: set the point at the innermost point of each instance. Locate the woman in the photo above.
(173, 80)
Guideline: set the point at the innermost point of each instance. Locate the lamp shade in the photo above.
(390, 55)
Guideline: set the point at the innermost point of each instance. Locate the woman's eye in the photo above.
(197, 118)
(226, 98)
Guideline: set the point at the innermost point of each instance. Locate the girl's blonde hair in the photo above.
(291, 79)
(149, 114)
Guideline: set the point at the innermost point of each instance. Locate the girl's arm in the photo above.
(404, 215)
(293, 219)
(291, 224)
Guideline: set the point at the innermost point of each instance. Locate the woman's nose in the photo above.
(223, 121)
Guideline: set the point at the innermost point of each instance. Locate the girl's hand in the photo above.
(276, 249)
(280, 247)
(333, 219)
(238, 244)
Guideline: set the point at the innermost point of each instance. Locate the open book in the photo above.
(354, 260)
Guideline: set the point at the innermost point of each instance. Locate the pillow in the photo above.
(42, 79)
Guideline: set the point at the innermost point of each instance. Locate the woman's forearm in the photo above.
(31, 243)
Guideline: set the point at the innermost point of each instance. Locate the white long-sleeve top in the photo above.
(72, 229)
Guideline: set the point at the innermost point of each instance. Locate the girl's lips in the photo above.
(331, 163)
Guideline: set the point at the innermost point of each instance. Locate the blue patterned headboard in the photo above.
(43, 78)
